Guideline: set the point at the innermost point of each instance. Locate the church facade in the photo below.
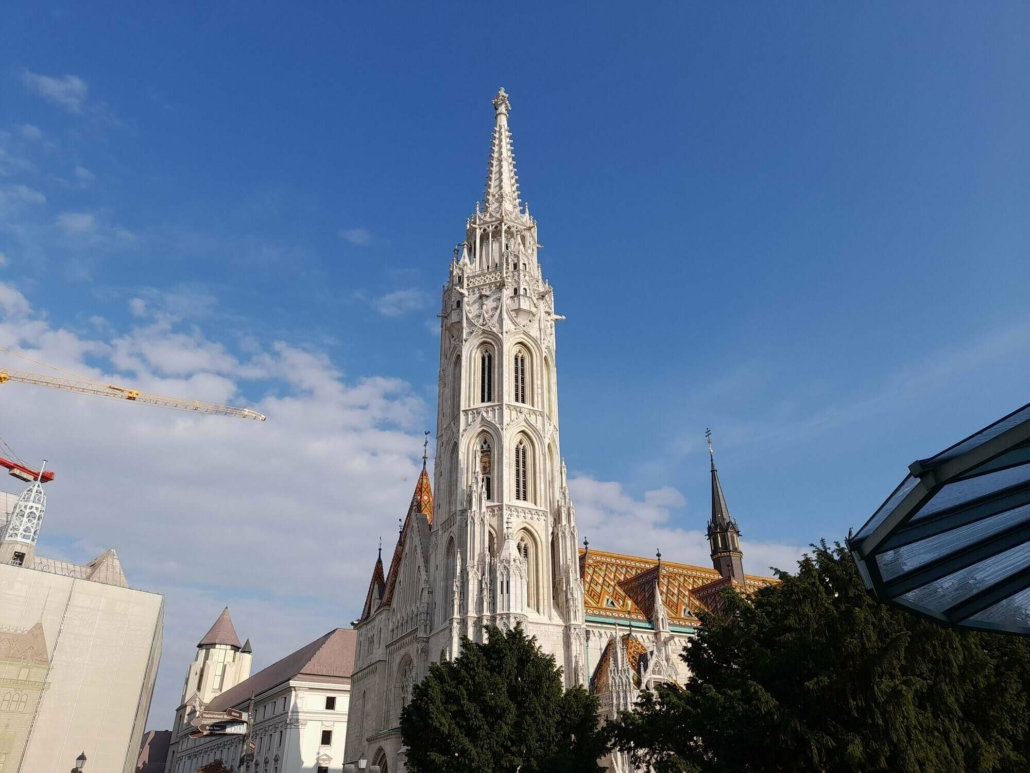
(498, 544)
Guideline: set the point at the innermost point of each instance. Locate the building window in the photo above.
(18, 559)
(486, 466)
(330, 703)
(323, 769)
(280, 740)
(521, 472)
(520, 376)
(486, 376)
(327, 738)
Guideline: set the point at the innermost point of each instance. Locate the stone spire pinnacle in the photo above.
(723, 532)
(502, 187)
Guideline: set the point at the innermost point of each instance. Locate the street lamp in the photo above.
(80, 762)
(363, 762)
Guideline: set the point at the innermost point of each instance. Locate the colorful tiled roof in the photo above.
(634, 649)
(621, 587)
(421, 504)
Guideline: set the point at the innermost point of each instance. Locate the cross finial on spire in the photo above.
(425, 449)
(711, 451)
(586, 545)
(659, 555)
(501, 196)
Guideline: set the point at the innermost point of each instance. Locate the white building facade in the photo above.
(499, 545)
(298, 707)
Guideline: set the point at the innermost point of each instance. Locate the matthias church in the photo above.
(497, 544)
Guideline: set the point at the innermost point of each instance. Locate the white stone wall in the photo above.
(288, 723)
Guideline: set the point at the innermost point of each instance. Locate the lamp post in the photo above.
(362, 762)
(80, 762)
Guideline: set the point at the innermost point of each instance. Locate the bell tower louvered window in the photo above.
(521, 472)
(486, 376)
(520, 376)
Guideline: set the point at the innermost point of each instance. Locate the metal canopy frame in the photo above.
(952, 542)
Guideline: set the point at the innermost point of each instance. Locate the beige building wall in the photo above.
(86, 656)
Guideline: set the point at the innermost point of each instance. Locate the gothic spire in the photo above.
(21, 532)
(720, 510)
(723, 532)
(502, 187)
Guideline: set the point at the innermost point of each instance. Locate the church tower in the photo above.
(505, 526)
(723, 532)
(221, 662)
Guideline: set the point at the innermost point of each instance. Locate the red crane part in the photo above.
(23, 472)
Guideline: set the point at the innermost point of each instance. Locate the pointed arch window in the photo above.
(521, 472)
(486, 375)
(527, 551)
(486, 466)
(519, 370)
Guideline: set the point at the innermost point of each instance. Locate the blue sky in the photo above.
(805, 227)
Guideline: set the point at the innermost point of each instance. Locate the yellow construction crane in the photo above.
(74, 383)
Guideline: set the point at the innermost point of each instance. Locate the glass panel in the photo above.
(981, 437)
(950, 590)
(1014, 610)
(895, 562)
(888, 507)
(964, 491)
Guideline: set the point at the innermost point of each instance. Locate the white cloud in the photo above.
(83, 175)
(278, 519)
(69, 92)
(73, 223)
(400, 302)
(358, 236)
(14, 199)
(613, 520)
(3, 260)
(138, 307)
(30, 132)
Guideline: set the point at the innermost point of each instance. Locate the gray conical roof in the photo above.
(720, 510)
(222, 632)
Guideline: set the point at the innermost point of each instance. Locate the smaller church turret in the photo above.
(723, 532)
(221, 662)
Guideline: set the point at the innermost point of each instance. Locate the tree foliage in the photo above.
(216, 767)
(813, 675)
(500, 707)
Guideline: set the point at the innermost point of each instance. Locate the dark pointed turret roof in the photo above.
(720, 511)
(222, 632)
(247, 650)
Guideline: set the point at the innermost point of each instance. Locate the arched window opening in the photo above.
(515, 291)
(486, 467)
(456, 385)
(527, 550)
(486, 375)
(491, 544)
(521, 472)
(520, 376)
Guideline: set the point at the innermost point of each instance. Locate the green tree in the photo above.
(500, 707)
(813, 675)
(216, 767)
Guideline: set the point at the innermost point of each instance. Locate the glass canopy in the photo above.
(952, 542)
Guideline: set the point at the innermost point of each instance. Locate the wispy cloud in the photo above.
(400, 302)
(30, 132)
(73, 223)
(358, 236)
(616, 521)
(3, 260)
(83, 175)
(69, 92)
